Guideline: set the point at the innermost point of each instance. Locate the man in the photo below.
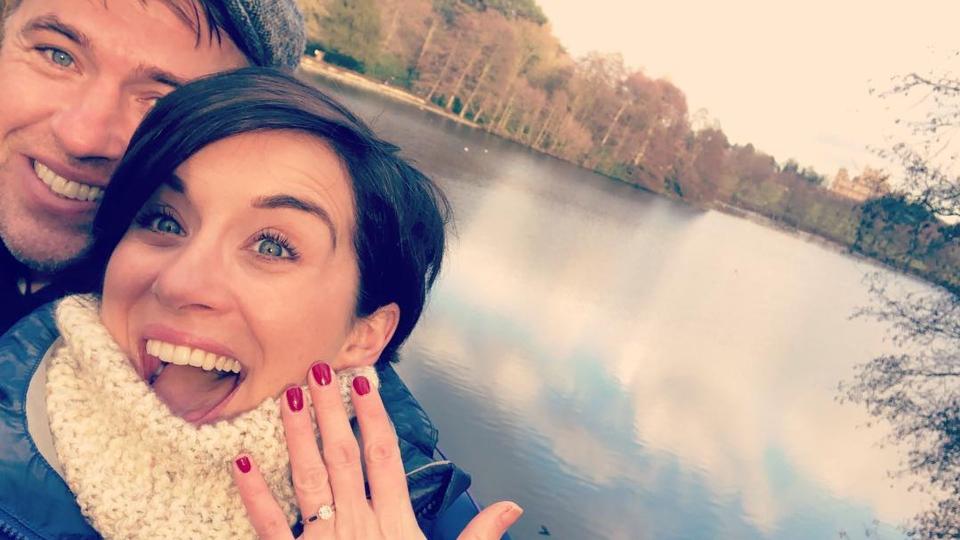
(76, 77)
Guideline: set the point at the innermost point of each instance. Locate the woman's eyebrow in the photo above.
(289, 201)
(176, 183)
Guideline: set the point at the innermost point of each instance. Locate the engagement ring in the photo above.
(325, 513)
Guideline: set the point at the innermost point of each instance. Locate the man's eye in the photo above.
(58, 57)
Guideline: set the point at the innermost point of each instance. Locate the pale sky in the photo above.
(790, 77)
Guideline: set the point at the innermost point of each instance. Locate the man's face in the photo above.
(77, 77)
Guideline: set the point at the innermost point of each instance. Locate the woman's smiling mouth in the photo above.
(182, 355)
(195, 383)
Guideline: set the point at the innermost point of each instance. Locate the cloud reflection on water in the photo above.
(703, 346)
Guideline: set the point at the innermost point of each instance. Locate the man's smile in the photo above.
(65, 188)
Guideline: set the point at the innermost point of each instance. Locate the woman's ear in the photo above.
(369, 336)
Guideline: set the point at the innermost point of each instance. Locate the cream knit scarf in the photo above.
(137, 470)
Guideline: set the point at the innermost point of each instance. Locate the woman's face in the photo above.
(239, 273)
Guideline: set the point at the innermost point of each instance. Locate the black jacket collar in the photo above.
(15, 305)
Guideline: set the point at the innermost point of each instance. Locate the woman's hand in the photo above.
(329, 485)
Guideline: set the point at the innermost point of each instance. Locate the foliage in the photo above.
(344, 61)
(497, 64)
(352, 29)
(392, 70)
(512, 9)
(918, 391)
(918, 394)
(927, 162)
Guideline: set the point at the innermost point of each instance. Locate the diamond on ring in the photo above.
(324, 513)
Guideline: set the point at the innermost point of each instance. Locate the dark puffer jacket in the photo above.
(35, 503)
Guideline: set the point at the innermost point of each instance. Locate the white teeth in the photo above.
(66, 188)
(186, 356)
(72, 191)
(59, 185)
(207, 360)
(196, 357)
(166, 351)
(181, 355)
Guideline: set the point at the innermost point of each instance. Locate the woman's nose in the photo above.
(192, 279)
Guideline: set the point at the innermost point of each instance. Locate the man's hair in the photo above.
(399, 235)
(269, 33)
(6, 6)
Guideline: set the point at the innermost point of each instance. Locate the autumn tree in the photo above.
(352, 28)
(494, 45)
(709, 178)
(512, 9)
(404, 25)
(917, 394)
(918, 391)
(314, 11)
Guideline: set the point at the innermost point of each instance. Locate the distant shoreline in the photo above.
(351, 78)
(333, 73)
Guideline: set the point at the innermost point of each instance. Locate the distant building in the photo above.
(871, 183)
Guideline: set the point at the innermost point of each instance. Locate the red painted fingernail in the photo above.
(321, 373)
(361, 385)
(243, 464)
(295, 398)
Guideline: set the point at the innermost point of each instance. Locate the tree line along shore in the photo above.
(496, 64)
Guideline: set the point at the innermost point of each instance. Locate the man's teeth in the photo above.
(186, 356)
(66, 188)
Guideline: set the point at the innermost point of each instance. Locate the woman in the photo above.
(254, 231)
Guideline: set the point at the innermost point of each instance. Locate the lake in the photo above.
(628, 367)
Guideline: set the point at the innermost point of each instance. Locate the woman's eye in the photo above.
(165, 225)
(269, 247)
(58, 57)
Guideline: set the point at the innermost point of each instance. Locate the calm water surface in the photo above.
(627, 367)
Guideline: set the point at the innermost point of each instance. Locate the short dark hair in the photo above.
(401, 214)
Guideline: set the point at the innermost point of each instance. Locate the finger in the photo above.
(310, 480)
(492, 522)
(384, 465)
(262, 509)
(340, 451)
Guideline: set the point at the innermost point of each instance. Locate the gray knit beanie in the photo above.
(270, 32)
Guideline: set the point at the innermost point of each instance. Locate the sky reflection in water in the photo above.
(627, 367)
